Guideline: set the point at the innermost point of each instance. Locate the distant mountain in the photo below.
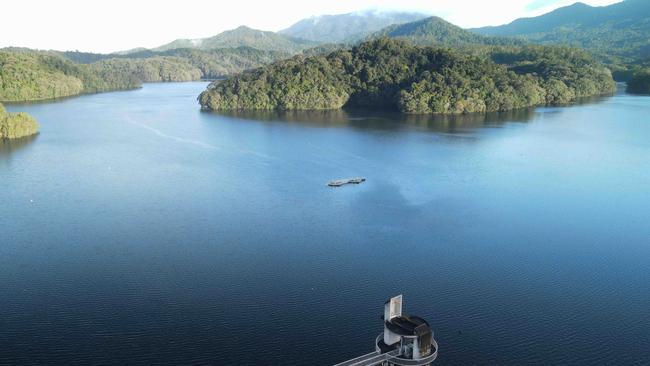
(138, 49)
(243, 37)
(616, 33)
(213, 64)
(218, 63)
(347, 27)
(434, 31)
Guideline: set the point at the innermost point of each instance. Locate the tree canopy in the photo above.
(28, 76)
(396, 74)
(617, 34)
(243, 36)
(16, 125)
(639, 83)
(31, 75)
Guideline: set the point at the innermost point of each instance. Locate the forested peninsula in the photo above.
(389, 73)
(16, 125)
(31, 75)
(28, 75)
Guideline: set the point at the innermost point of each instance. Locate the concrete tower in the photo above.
(407, 340)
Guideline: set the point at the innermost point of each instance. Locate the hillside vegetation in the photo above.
(26, 76)
(395, 74)
(243, 37)
(639, 83)
(31, 75)
(16, 125)
(218, 63)
(617, 34)
(435, 31)
(155, 69)
(565, 73)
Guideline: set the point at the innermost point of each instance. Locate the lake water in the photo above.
(137, 229)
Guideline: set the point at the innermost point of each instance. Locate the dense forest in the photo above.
(435, 31)
(214, 64)
(26, 76)
(396, 74)
(16, 125)
(639, 82)
(218, 63)
(155, 69)
(243, 37)
(617, 34)
(565, 73)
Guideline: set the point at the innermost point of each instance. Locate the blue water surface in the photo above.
(136, 229)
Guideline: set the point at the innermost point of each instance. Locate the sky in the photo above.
(114, 25)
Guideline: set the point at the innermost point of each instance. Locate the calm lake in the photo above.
(136, 229)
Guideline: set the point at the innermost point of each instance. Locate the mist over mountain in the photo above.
(616, 33)
(348, 27)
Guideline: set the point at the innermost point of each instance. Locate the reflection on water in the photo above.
(595, 99)
(391, 120)
(457, 123)
(9, 146)
(383, 120)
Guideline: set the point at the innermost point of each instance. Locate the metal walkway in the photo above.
(371, 359)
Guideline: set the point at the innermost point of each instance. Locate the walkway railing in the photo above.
(376, 358)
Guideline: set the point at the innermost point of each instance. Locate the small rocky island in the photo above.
(16, 125)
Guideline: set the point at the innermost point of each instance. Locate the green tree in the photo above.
(16, 125)
(640, 82)
(388, 73)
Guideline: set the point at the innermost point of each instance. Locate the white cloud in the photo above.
(106, 26)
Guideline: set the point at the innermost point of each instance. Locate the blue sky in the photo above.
(113, 25)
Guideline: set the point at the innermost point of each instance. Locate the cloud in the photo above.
(540, 4)
(103, 26)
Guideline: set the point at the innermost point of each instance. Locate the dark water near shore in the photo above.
(136, 229)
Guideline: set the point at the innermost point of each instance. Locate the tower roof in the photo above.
(405, 325)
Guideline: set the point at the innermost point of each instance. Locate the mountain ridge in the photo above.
(348, 27)
(616, 33)
(242, 36)
(437, 31)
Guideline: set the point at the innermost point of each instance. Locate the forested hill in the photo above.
(435, 31)
(27, 75)
(213, 64)
(618, 33)
(243, 37)
(31, 75)
(389, 73)
(218, 63)
(348, 27)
